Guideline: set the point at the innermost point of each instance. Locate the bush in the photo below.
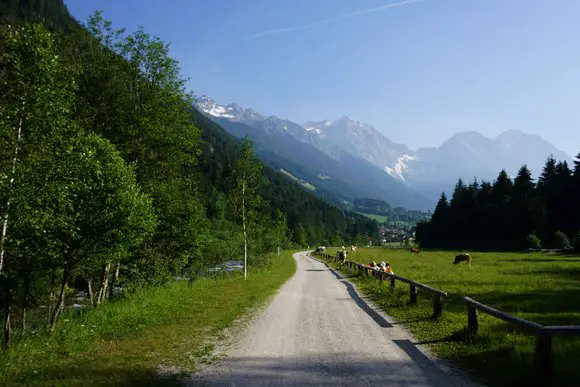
(533, 242)
(560, 240)
(576, 242)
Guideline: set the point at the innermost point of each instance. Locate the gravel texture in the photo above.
(318, 330)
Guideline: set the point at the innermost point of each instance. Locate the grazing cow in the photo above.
(342, 248)
(415, 250)
(386, 267)
(341, 257)
(462, 258)
(353, 249)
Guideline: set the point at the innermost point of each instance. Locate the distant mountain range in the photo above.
(346, 159)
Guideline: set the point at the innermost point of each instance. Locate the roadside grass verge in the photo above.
(127, 343)
(541, 287)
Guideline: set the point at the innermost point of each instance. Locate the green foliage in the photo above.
(501, 215)
(71, 199)
(576, 242)
(246, 199)
(132, 93)
(533, 242)
(125, 342)
(560, 240)
(109, 177)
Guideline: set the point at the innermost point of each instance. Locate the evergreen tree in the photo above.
(523, 212)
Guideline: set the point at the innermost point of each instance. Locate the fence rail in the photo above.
(413, 285)
(543, 359)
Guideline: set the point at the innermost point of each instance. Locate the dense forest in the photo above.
(510, 214)
(109, 178)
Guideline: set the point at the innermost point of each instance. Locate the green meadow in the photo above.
(127, 343)
(541, 287)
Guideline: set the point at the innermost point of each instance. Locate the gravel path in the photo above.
(319, 331)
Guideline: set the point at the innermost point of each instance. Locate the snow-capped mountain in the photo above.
(231, 112)
(359, 139)
(428, 171)
(342, 138)
(470, 155)
(317, 156)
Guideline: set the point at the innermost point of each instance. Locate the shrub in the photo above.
(576, 242)
(560, 240)
(533, 242)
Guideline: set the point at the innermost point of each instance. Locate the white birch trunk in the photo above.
(5, 220)
(244, 226)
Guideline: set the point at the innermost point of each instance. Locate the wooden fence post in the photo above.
(472, 324)
(543, 354)
(412, 293)
(437, 306)
(392, 279)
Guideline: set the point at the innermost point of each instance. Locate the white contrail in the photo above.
(338, 18)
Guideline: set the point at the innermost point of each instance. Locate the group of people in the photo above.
(383, 266)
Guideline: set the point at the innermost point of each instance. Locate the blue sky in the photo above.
(419, 71)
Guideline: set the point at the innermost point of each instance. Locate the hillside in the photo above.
(302, 209)
(340, 175)
(110, 180)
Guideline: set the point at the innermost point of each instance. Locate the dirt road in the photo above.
(319, 331)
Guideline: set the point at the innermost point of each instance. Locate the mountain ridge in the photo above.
(427, 170)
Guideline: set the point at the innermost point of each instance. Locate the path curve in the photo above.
(319, 331)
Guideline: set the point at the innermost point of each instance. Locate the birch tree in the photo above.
(133, 93)
(36, 98)
(246, 198)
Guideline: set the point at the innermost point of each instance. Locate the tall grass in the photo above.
(541, 287)
(127, 342)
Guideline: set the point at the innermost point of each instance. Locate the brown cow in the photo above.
(341, 257)
(415, 250)
(462, 258)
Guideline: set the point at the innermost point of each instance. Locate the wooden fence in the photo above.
(543, 352)
(413, 285)
(543, 358)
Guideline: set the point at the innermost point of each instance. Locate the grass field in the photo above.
(541, 287)
(378, 218)
(124, 343)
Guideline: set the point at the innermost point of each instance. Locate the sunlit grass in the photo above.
(125, 343)
(541, 287)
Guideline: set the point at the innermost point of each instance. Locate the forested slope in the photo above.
(109, 178)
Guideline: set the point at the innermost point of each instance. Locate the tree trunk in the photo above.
(115, 278)
(244, 227)
(7, 326)
(104, 283)
(60, 303)
(91, 294)
(25, 302)
(51, 295)
(5, 221)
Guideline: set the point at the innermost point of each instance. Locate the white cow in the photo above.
(353, 249)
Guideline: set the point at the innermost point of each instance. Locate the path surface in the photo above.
(319, 331)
